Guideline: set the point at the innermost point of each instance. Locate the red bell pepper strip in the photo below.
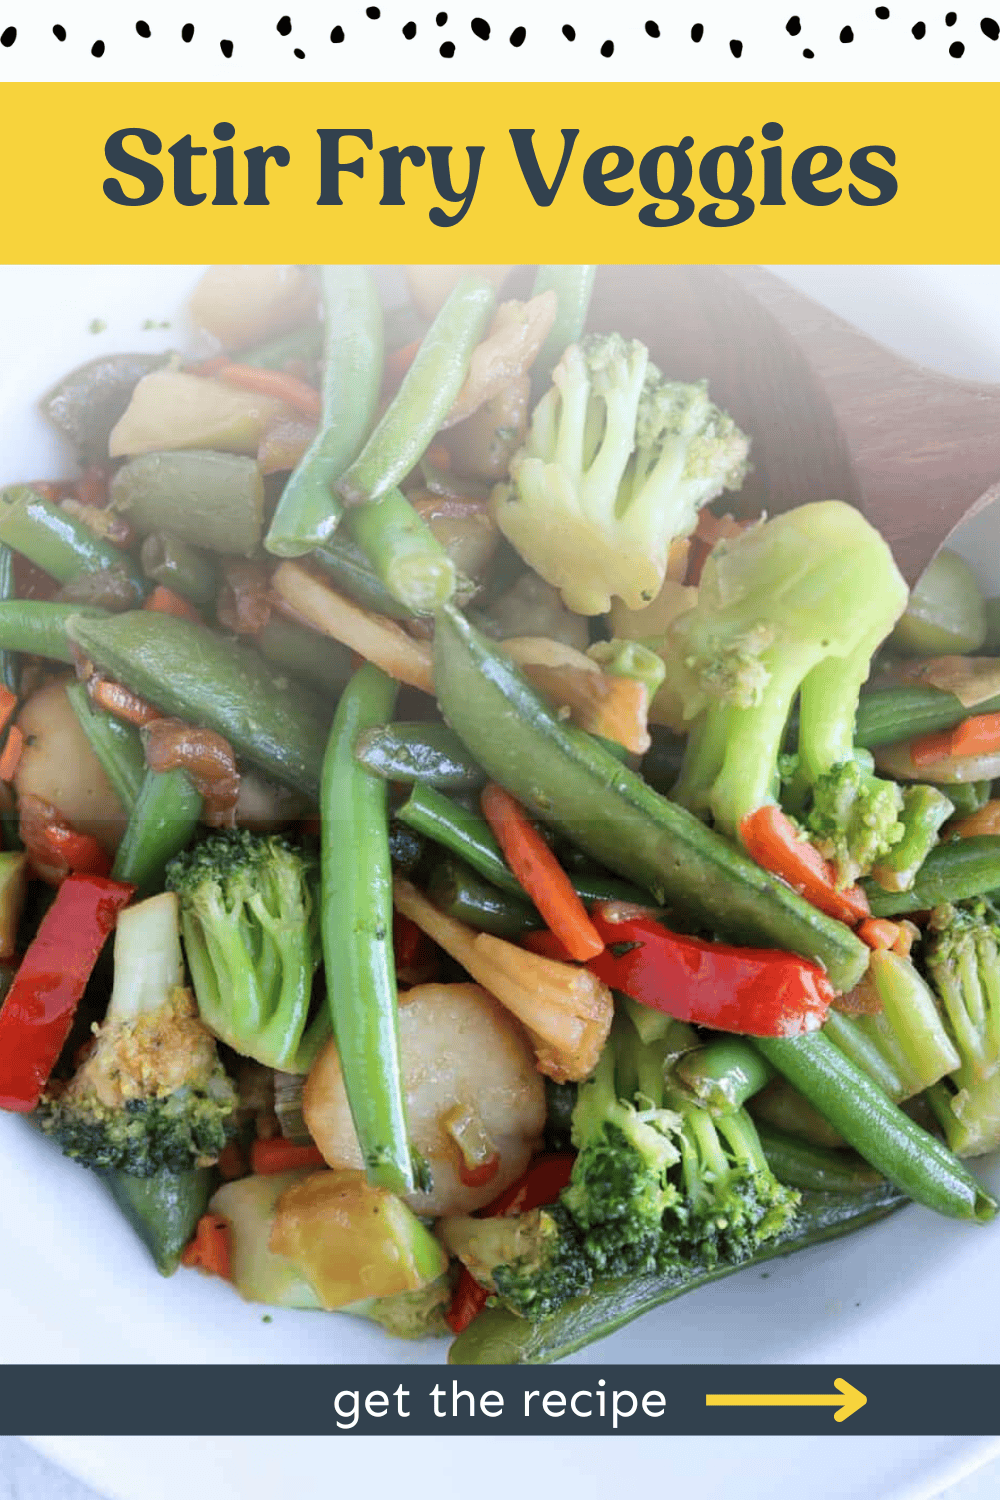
(772, 839)
(754, 991)
(38, 1012)
(541, 1184)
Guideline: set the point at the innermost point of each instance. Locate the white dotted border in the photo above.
(393, 40)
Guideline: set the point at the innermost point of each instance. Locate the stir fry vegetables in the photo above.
(510, 868)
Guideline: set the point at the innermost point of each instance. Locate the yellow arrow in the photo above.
(850, 1400)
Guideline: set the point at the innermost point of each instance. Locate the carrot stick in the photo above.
(276, 383)
(979, 735)
(11, 753)
(772, 839)
(210, 1250)
(164, 601)
(541, 874)
(879, 932)
(8, 703)
(278, 1155)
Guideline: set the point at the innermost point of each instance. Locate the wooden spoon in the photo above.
(832, 413)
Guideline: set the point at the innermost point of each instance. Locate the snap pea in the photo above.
(315, 659)
(567, 780)
(427, 753)
(161, 823)
(308, 511)
(888, 715)
(188, 571)
(353, 575)
(573, 286)
(407, 557)
(725, 1073)
(815, 1169)
(87, 403)
(499, 1337)
(117, 745)
(58, 543)
(356, 924)
(38, 628)
(456, 889)
(916, 1163)
(9, 673)
(212, 500)
(952, 872)
(425, 397)
(192, 673)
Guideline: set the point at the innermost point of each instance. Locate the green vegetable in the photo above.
(797, 605)
(248, 918)
(352, 574)
(426, 395)
(308, 511)
(9, 673)
(617, 464)
(302, 344)
(58, 543)
(117, 745)
(212, 500)
(499, 1337)
(356, 924)
(39, 628)
(163, 1210)
(190, 672)
(162, 821)
(780, 1105)
(953, 871)
(315, 659)
(915, 1162)
(723, 1075)
(966, 797)
(562, 776)
(152, 1095)
(426, 753)
(925, 810)
(573, 286)
(456, 889)
(946, 615)
(963, 963)
(404, 552)
(186, 570)
(87, 403)
(888, 715)
(815, 1169)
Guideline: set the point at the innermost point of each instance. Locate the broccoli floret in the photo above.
(151, 1096)
(617, 464)
(532, 1262)
(409, 1315)
(249, 923)
(963, 962)
(794, 606)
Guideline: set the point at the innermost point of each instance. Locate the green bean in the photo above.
(916, 1163)
(58, 543)
(592, 888)
(167, 559)
(889, 715)
(784, 1107)
(500, 1337)
(427, 753)
(573, 286)
(725, 1073)
(117, 745)
(854, 1041)
(966, 797)
(952, 872)
(315, 659)
(406, 847)
(426, 395)
(464, 833)
(352, 574)
(356, 923)
(212, 500)
(38, 628)
(302, 343)
(925, 809)
(162, 822)
(308, 511)
(403, 551)
(456, 889)
(815, 1169)
(9, 673)
(188, 671)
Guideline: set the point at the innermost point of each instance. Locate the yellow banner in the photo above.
(186, 172)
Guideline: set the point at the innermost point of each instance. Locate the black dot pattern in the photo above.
(607, 46)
